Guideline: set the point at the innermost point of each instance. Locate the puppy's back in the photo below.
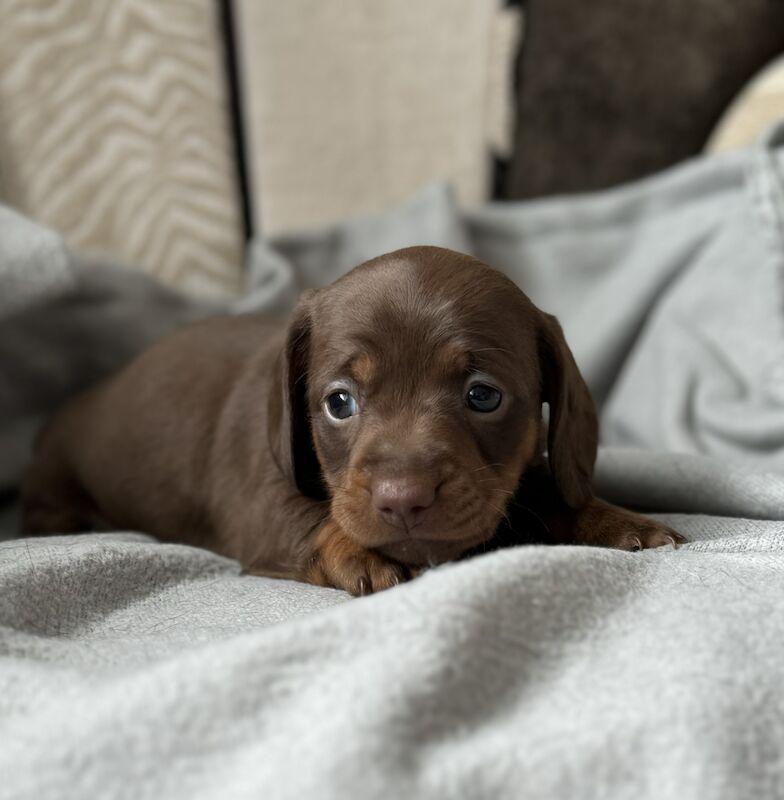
(134, 450)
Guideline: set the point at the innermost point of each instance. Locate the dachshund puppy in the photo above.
(396, 424)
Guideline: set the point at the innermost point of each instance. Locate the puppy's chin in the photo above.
(423, 552)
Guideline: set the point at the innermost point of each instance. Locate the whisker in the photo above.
(491, 349)
(486, 466)
(489, 480)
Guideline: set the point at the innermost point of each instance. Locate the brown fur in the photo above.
(218, 436)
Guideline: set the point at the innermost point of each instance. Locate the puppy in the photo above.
(396, 424)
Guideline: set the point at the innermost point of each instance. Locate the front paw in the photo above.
(339, 562)
(606, 525)
(646, 535)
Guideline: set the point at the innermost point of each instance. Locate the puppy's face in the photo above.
(421, 379)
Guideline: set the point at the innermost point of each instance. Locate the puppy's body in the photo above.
(225, 434)
(176, 445)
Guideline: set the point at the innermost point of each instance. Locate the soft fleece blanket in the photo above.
(130, 668)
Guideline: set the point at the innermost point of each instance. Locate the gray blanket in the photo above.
(130, 668)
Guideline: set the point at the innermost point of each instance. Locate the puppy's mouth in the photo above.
(459, 520)
(423, 543)
(431, 540)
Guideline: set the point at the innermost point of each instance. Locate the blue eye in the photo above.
(341, 405)
(483, 398)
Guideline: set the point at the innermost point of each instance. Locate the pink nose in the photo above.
(401, 501)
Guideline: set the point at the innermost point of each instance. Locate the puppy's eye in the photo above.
(341, 405)
(483, 398)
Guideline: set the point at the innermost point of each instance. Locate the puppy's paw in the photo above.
(606, 525)
(339, 562)
(646, 536)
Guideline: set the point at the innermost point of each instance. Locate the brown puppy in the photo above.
(396, 424)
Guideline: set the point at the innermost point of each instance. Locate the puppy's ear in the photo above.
(290, 437)
(573, 427)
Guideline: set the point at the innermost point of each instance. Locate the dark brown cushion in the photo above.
(609, 91)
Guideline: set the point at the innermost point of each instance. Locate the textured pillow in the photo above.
(610, 91)
(114, 133)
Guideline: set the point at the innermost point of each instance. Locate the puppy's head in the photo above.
(411, 395)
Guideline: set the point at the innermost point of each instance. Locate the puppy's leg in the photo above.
(52, 502)
(338, 561)
(605, 525)
(597, 523)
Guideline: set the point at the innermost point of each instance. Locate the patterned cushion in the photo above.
(114, 132)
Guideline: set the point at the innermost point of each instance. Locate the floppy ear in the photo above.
(573, 429)
(290, 437)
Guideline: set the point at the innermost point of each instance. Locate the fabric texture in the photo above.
(130, 668)
(351, 107)
(140, 670)
(33, 261)
(605, 97)
(115, 133)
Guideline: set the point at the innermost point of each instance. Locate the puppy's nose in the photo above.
(401, 501)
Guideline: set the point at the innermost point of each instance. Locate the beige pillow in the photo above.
(353, 105)
(756, 108)
(114, 131)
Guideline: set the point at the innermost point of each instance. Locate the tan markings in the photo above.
(529, 442)
(526, 453)
(452, 358)
(363, 369)
(339, 561)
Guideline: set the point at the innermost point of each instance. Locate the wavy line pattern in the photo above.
(114, 131)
